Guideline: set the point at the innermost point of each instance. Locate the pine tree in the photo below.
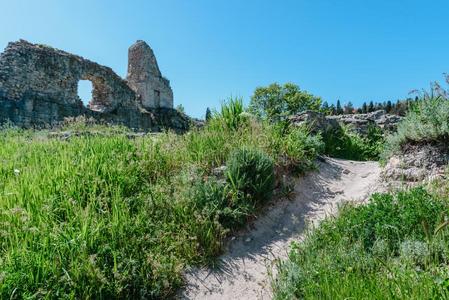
(371, 106)
(208, 114)
(388, 106)
(349, 108)
(325, 108)
(364, 108)
(378, 106)
(339, 109)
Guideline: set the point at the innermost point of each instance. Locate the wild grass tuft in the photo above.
(395, 247)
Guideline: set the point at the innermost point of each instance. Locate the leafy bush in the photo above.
(296, 144)
(251, 172)
(217, 200)
(427, 121)
(347, 144)
(394, 247)
(275, 102)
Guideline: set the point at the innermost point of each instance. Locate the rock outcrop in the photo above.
(358, 122)
(38, 88)
(361, 122)
(417, 163)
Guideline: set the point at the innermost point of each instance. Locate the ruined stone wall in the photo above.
(39, 86)
(146, 79)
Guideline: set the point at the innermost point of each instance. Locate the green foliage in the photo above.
(298, 146)
(395, 247)
(251, 173)
(347, 144)
(180, 108)
(208, 115)
(101, 215)
(275, 102)
(426, 121)
(232, 113)
(339, 110)
(217, 200)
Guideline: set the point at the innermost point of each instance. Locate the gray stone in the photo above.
(38, 88)
(358, 122)
(145, 78)
(417, 162)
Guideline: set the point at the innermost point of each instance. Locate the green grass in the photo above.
(346, 143)
(427, 121)
(395, 247)
(109, 215)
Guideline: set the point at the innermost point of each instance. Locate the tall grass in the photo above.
(110, 216)
(395, 247)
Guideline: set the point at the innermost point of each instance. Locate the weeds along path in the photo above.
(243, 272)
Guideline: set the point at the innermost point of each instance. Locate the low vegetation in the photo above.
(426, 122)
(99, 212)
(395, 247)
(348, 144)
(96, 211)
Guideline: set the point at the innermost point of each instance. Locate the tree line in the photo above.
(399, 107)
(276, 102)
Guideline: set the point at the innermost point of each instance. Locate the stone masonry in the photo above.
(38, 88)
(146, 79)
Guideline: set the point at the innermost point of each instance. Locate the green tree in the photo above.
(349, 108)
(325, 108)
(388, 106)
(208, 114)
(339, 109)
(276, 101)
(180, 108)
(371, 106)
(364, 108)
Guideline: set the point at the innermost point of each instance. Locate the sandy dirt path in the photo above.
(242, 272)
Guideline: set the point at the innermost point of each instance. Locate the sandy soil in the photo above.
(243, 271)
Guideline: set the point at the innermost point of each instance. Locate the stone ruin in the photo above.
(39, 88)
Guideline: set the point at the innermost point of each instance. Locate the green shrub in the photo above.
(394, 247)
(296, 144)
(251, 172)
(217, 201)
(232, 113)
(347, 144)
(426, 121)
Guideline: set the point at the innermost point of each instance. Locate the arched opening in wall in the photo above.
(85, 89)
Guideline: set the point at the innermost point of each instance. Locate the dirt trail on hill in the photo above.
(243, 269)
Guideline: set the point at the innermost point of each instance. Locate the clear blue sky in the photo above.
(349, 50)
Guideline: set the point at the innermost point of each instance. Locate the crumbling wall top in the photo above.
(145, 78)
(28, 70)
